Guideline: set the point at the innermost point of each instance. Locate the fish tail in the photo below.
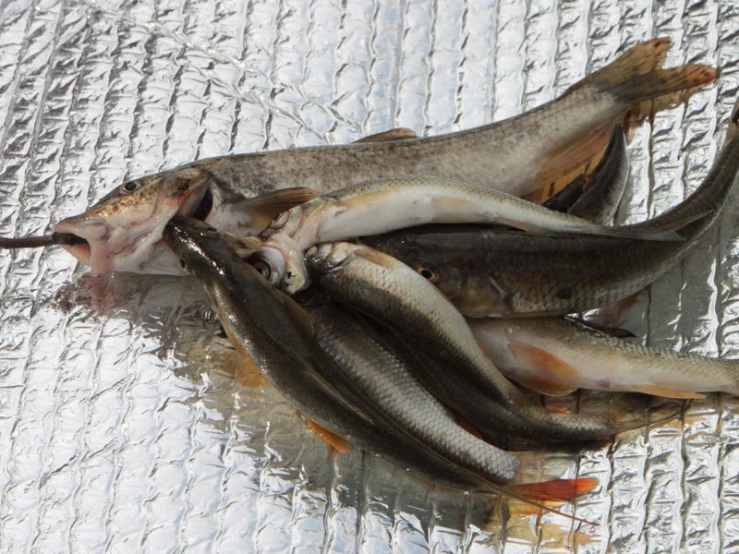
(661, 82)
(637, 75)
(641, 59)
(558, 490)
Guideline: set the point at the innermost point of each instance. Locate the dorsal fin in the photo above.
(400, 133)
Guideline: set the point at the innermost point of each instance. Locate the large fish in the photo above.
(274, 333)
(383, 206)
(387, 290)
(490, 272)
(555, 356)
(122, 232)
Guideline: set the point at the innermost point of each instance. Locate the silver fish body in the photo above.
(517, 155)
(386, 380)
(383, 206)
(556, 356)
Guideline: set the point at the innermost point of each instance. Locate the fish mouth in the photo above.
(91, 234)
(201, 210)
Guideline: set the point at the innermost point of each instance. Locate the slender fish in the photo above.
(556, 356)
(379, 207)
(386, 380)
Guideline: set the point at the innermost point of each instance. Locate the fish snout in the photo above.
(94, 251)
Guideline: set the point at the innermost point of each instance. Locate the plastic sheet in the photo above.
(122, 427)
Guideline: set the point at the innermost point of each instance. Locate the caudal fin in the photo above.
(559, 490)
(636, 75)
(658, 83)
(643, 58)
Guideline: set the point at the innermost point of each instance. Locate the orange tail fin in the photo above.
(559, 490)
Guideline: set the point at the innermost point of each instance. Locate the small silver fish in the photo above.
(556, 356)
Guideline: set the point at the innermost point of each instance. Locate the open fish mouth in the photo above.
(126, 237)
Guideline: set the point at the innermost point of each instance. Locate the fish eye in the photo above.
(263, 269)
(428, 273)
(183, 265)
(279, 220)
(130, 186)
(212, 230)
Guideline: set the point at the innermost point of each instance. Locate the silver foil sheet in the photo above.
(125, 423)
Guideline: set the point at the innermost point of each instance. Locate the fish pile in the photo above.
(394, 289)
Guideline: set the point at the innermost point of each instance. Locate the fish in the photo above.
(276, 336)
(556, 356)
(504, 273)
(382, 206)
(123, 230)
(517, 155)
(596, 196)
(387, 290)
(387, 381)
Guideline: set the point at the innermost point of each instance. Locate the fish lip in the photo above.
(93, 252)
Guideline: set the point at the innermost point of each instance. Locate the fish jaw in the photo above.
(94, 233)
(284, 258)
(123, 232)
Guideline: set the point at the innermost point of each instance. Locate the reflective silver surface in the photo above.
(121, 426)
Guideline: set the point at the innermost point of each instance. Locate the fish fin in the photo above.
(555, 410)
(541, 359)
(334, 440)
(512, 492)
(567, 159)
(564, 199)
(542, 386)
(558, 490)
(651, 85)
(298, 313)
(610, 331)
(401, 133)
(263, 209)
(643, 58)
(665, 392)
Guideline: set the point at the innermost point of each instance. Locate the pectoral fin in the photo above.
(341, 444)
(263, 209)
(555, 375)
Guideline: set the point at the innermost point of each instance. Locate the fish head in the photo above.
(282, 263)
(200, 248)
(123, 231)
(473, 295)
